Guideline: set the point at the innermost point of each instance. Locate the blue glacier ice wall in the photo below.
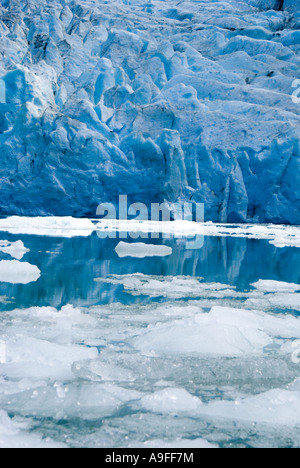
(158, 100)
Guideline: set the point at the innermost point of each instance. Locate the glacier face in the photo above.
(158, 100)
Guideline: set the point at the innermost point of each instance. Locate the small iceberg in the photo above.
(15, 272)
(16, 249)
(141, 250)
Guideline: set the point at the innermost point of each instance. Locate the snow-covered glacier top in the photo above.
(160, 100)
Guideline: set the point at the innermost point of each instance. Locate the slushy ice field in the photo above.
(147, 342)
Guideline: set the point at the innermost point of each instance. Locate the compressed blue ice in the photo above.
(159, 100)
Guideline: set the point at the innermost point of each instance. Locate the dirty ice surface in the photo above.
(114, 342)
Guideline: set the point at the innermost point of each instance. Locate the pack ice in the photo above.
(161, 101)
(213, 370)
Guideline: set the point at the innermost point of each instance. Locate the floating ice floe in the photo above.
(238, 323)
(268, 286)
(15, 433)
(264, 295)
(141, 250)
(16, 249)
(278, 235)
(222, 332)
(170, 400)
(51, 350)
(15, 272)
(48, 226)
(157, 360)
(274, 294)
(278, 406)
(172, 287)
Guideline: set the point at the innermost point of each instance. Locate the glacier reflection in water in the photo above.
(189, 348)
(69, 267)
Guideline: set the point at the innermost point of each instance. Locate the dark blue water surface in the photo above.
(69, 267)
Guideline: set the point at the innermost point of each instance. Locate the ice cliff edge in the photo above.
(198, 101)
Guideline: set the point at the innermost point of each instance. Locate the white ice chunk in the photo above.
(96, 370)
(15, 434)
(16, 249)
(266, 295)
(141, 250)
(48, 226)
(84, 400)
(15, 272)
(170, 400)
(28, 357)
(222, 332)
(276, 286)
(274, 294)
(276, 407)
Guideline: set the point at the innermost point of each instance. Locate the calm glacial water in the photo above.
(69, 267)
(138, 364)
